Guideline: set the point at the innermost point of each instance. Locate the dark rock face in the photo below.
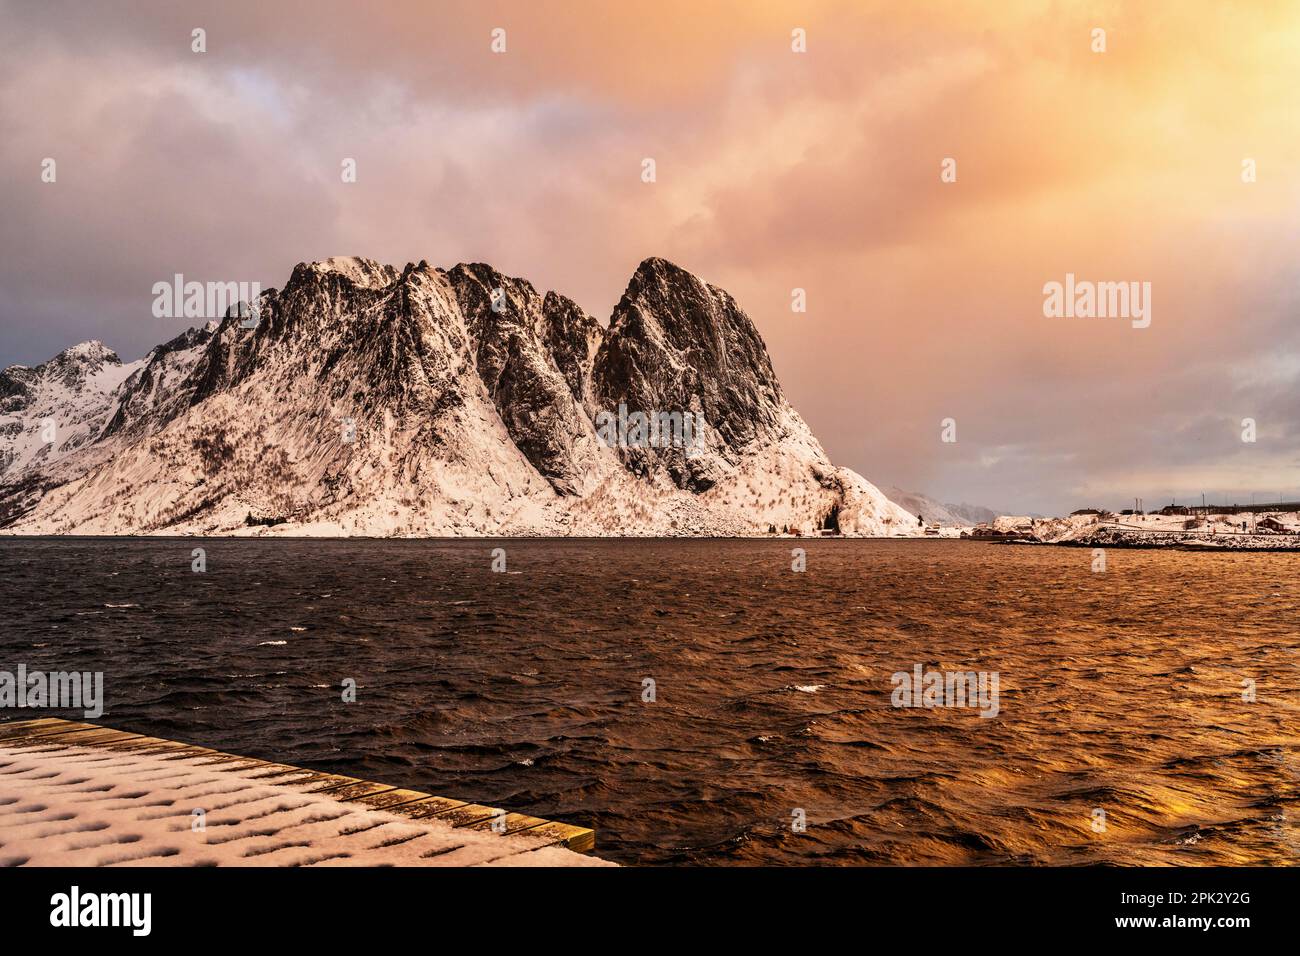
(225, 362)
(156, 393)
(359, 330)
(15, 388)
(381, 350)
(501, 315)
(538, 403)
(573, 338)
(21, 497)
(676, 343)
(415, 352)
(17, 392)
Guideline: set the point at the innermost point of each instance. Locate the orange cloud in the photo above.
(776, 170)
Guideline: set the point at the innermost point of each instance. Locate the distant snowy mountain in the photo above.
(50, 411)
(944, 515)
(370, 400)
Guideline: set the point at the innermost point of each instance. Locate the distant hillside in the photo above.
(944, 515)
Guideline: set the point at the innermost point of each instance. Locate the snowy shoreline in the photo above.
(1153, 543)
(1217, 531)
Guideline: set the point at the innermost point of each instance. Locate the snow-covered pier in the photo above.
(78, 794)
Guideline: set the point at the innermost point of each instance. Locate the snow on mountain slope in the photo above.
(159, 389)
(375, 401)
(54, 409)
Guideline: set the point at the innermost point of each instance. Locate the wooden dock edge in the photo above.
(377, 796)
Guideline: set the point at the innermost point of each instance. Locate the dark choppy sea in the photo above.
(1120, 691)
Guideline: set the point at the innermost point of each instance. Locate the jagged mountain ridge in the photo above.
(421, 401)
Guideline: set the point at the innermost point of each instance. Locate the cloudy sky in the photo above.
(775, 170)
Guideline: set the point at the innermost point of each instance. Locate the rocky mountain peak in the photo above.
(75, 363)
(360, 271)
(677, 344)
(90, 351)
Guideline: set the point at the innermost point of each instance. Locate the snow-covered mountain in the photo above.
(369, 400)
(52, 410)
